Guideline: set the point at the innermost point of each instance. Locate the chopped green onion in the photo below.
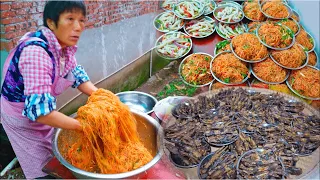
(227, 80)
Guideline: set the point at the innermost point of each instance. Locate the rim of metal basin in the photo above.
(165, 31)
(268, 16)
(169, 58)
(257, 77)
(275, 48)
(225, 6)
(291, 88)
(201, 10)
(198, 19)
(245, 60)
(300, 67)
(180, 69)
(216, 78)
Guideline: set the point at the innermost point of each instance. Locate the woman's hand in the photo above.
(87, 88)
(59, 120)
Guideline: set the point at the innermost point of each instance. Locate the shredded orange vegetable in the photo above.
(196, 69)
(229, 69)
(312, 59)
(293, 57)
(248, 47)
(252, 26)
(304, 39)
(252, 10)
(275, 35)
(306, 81)
(269, 71)
(295, 17)
(291, 24)
(109, 142)
(275, 9)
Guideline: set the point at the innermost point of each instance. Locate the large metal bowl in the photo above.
(138, 101)
(144, 123)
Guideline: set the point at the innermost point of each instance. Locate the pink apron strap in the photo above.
(11, 54)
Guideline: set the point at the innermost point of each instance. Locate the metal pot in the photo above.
(154, 133)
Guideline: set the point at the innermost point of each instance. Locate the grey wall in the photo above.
(103, 51)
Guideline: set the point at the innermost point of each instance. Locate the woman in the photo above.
(40, 68)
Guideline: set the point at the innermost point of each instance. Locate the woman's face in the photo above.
(69, 27)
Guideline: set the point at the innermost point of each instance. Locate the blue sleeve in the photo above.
(80, 76)
(38, 105)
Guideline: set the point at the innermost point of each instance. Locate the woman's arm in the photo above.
(87, 88)
(59, 120)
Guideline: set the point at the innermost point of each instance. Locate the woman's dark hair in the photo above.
(53, 9)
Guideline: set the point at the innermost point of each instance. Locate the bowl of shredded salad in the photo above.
(188, 9)
(228, 31)
(167, 5)
(173, 45)
(209, 6)
(194, 69)
(227, 69)
(228, 14)
(200, 28)
(167, 21)
(305, 82)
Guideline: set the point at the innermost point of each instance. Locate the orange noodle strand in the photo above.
(109, 142)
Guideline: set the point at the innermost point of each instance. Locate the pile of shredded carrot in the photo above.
(275, 35)
(295, 17)
(229, 69)
(304, 39)
(312, 58)
(252, 26)
(293, 57)
(275, 9)
(109, 142)
(252, 10)
(247, 46)
(306, 81)
(290, 24)
(196, 69)
(269, 71)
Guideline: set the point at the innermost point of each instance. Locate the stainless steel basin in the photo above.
(151, 135)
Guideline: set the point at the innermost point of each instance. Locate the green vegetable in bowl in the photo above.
(226, 80)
